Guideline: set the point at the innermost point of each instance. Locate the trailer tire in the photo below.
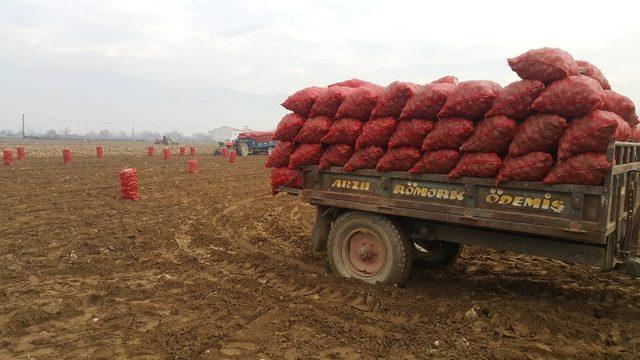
(369, 247)
(243, 149)
(436, 254)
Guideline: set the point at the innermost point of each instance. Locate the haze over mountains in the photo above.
(59, 99)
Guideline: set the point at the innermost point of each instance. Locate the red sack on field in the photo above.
(280, 154)
(410, 132)
(588, 69)
(335, 155)
(448, 134)
(623, 132)
(590, 133)
(352, 83)
(305, 154)
(470, 99)
(366, 158)
(538, 132)
(398, 159)
(621, 105)
(516, 99)
(436, 162)
(427, 101)
(491, 135)
(477, 164)
(376, 132)
(449, 79)
(635, 133)
(343, 131)
(302, 101)
(329, 101)
(289, 127)
(570, 97)
(528, 167)
(393, 98)
(313, 130)
(587, 168)
(359, 103)
(285, 177)
(546, 65)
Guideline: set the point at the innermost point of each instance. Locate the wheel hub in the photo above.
(364, 253)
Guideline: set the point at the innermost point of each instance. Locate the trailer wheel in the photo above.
(436, 254)
(369, 247)
(243, 149)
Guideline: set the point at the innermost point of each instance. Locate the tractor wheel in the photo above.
(243, 149)
(369, 247)
(435, 254)
(269, 150)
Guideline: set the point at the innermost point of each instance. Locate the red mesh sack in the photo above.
(285, 177)
(491, 135)
(528, 167)
(66, 156)
(233, 155)
(166, 154)
(335, 155)
(436, 162)
(398, 159)
(21, 153)
(305, 154)
(449, 79)
(590, 133)
(359, 103)
(587, 169)
(484, 165)
(570, 97)
(352, 83)
(546, 65)
(470, 99)
(289, 127)
(343, 131)
(7, 156)
(538, 132)
(192, 166)
(393, 98)
(635, 133)
(313, 130)
(280, 154)
(448, 134)
(129, 184)
(150, 151)
(623, 132)
(192, 150)
(366, 158)
(410, 133)
(302, 101)
(99, 152)
(328, 102)
(516, 99)
(427, 101)
(376, 132)
(621, 105)
(588, 69)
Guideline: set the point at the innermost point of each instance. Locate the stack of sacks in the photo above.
(574, 114)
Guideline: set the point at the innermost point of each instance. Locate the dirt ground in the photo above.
(211, 266)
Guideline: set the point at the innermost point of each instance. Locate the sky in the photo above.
(162, 63)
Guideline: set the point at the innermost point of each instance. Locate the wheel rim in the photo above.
(363, 253)
(244, 150)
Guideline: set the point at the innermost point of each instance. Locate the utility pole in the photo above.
(133, 130)
(23, 126)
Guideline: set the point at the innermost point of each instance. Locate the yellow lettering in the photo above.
(336, 183)
(355, 185)
(421, 192)
(517, 201)
(398, 189)
(532, 202)
(364, 186)
(557, 206)
(442, 194)
(505, 199)
(455, 195)
(431, 192)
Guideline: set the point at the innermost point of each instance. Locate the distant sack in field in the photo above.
(545, 64)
